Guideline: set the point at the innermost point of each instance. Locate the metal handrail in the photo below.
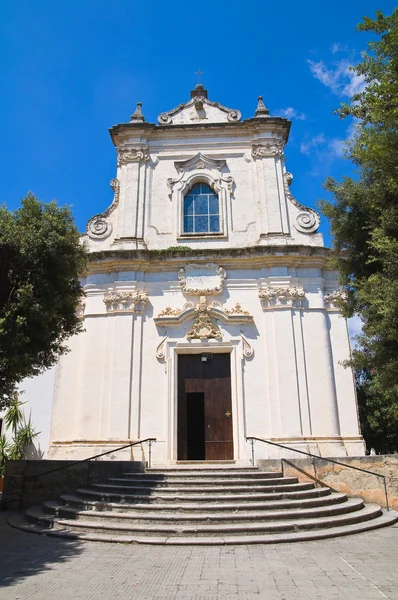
(314, 456)
(78, 462)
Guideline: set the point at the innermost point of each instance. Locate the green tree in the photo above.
(41, 258)
(364, 225)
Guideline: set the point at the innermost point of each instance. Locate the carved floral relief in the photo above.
(271, 148)
(281, 296)
(126, 155)
(80, 308)
(126, 301)
(335, 299)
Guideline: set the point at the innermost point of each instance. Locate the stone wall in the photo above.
(346, 480)
(23, 487)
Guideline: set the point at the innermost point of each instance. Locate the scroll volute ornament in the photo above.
(98, 227)
(307, 220)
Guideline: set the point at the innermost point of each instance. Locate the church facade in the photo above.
(210, 314)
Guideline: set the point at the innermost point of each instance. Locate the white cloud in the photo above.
(311, 143)
(291, 113)
(336, 147)
(340, 79)
(333, 147)
(337, 47)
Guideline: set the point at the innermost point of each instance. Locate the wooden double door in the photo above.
(204, 407)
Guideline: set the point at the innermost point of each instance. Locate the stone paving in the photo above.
(34, 567)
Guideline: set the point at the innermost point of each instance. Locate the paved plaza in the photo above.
(35, 567)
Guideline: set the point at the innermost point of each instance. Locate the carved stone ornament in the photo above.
(126, 155)
(198, 104)
(211, 169)
(98, 227)
(80, 308)
(236, 310)
(271, 148)
(336, 299)
(281, 296)
(174, 316)
(247, 348)
(170, 312)
(203, 328)
(132, 301)
(198, 280)
(307, 220)
(160, 350)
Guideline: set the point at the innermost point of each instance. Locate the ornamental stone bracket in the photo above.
(307, 220)
(335, 300)
(272, 147)
(174, 316)
(200, 167)
(98, 227)
(127, 155)
(247, 348)
(126, 301)
(202, 279)
(281, 297)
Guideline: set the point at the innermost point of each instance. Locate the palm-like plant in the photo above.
(23, 434)
(14, 415)
(4, 451)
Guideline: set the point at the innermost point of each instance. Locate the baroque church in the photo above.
(210, 314)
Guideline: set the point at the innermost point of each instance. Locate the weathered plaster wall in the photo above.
(23, 487)
(119, 381)
(347, 480)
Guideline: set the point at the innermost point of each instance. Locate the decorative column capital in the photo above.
(126, 155)
(270, 148)
(281, 297)
(335, 300)
(126, 301)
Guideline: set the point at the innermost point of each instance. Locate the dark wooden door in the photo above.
(204, 407)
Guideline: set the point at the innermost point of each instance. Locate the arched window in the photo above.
(201, 210)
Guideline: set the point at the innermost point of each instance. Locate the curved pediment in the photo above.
(175, 316)
(199, 109)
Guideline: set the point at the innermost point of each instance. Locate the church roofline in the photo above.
(271, 124)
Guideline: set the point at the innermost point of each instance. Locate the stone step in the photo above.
(202, 466)
(161, 497)
(80, 502)
(201, 476)
(211, 482)
(56, 509)
(215, 489)
(384, 520)
(370, 511)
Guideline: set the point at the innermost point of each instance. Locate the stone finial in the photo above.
(137, 115)
(261, 110)
(199, 91)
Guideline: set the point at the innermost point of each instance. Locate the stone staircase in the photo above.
(204, 505)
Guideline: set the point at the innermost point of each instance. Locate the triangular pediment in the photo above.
(200, 161)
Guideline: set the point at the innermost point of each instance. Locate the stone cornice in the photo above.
(253, 126)
(234, 258)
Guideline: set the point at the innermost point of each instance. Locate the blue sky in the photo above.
(70, 70)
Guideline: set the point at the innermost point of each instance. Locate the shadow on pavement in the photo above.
(23, 555)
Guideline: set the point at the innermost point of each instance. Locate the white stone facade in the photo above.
(258, 289)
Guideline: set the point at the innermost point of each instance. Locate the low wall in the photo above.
(344, 479)
(23, 488)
